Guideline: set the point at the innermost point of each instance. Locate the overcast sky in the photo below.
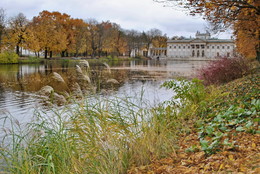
(140, 15)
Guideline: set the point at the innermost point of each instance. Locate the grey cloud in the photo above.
(130, 14)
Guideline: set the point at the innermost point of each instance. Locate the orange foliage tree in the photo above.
(104, 35)
(49, 30)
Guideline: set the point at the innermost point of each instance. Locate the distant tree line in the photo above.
(55, 33)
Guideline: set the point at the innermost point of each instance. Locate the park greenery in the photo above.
(8, 57)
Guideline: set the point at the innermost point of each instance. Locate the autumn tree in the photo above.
(248, 34)
(17, 31)
(151, 34)
(133, 39)
(2, 27)
(241, 15)
(33, 42)
(104, 35)
(74, 31)
(118, 40)
(143, 40)
(92, 36)
(50, 33)
(79, 28)
(160, 41)
(67, 25)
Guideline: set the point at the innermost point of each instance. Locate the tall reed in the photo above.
(105, 136)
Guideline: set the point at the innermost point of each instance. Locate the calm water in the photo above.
(19, 84)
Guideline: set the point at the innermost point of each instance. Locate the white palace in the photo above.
(200, 47)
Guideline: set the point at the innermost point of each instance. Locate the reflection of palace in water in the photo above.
(200, 47)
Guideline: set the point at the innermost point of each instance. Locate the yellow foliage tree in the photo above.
(160, 42)
(118, 41)
(17, 32)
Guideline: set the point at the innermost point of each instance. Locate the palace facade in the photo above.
(202, 46)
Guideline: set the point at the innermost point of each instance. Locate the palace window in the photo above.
(208, 47)
(188, 47)
(193, 53)
(192, 46)
(197, 46)
(223, 47)
(228, 47)
(217, 47)
(228, 54)
(217, 54)
(184, 47)
(202, 46)
(198, 53)
(213, 47)
(170, 47)
(179, 46)
(202, 54)
(174, 47)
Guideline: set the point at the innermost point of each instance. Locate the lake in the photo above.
(20, 84)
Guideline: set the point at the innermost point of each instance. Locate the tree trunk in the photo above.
(258, 55)
(45, 53)
(17, 50)
(21, 51)
(129, 52)
(1, 33)
(63, 54)
(50, 54)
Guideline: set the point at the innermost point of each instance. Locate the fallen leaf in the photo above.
(231, 157)
(221, 166)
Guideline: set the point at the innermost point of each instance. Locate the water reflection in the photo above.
(19, 84)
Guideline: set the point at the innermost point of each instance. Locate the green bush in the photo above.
(187, 91)
(8, 57)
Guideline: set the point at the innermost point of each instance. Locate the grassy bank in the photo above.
(203, 129)
(29, 60)
(12, 58)
(224, 137)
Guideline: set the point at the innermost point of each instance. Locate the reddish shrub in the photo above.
(223, 70)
